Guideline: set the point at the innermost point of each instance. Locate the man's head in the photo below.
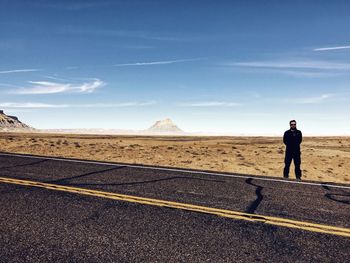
(293, 124)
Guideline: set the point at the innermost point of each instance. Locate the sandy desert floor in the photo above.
(325, 159)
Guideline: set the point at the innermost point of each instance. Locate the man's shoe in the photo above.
(285, 176)
(298, 179)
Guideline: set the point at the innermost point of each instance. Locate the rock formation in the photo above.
(164, 127)
(11, 123)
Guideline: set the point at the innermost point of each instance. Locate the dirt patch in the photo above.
(325, 159)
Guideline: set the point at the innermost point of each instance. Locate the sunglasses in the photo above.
(293, 124)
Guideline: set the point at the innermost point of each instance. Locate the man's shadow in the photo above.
(259, 197)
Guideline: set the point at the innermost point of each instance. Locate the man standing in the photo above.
(292, 139)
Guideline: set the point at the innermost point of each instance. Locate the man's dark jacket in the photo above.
(292, 139)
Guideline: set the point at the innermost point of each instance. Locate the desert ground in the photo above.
(325, 159)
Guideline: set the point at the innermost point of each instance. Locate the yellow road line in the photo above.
(202, 209)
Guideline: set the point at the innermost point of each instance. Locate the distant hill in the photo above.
(164, 127)
(11, 123)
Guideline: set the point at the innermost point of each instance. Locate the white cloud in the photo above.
(46, 87)
(331, 48)
(8, 85)
(36, 105)
(301, 64)
(307, 74)
(30, 105)
(18, 71)
(209, 104)
(311, 100)
(117, 105)
(132, 34)
(70, 67)
(295, 68)
(56, 78)
(158, 62)
(70, 6)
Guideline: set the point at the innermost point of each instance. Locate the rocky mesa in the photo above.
(11, 123)
(166, 126)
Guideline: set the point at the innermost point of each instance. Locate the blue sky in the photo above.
(234, 67)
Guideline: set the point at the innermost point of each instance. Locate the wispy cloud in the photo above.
(307, 74)
(164, 62)
(116, 105)
(209, 104)
(18, 71)
(301, 64)
(132, 34)
(71, 67)
(71, 6)
(46, 87)
(137, 47)
(30, 105)
(8, 85)
(56, 78)
(38, 105)
(296, 68)
(312, 100)
(331, 48)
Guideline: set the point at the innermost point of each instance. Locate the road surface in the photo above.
(66, 210)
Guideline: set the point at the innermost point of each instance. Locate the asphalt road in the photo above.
(41, 225)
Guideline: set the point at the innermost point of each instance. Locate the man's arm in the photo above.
(285, 138)
(301, 137)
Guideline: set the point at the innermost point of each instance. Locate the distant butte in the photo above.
(166, 126)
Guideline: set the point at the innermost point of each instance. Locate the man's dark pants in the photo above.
(297, 161)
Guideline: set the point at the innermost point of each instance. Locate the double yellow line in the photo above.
(201, 209)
